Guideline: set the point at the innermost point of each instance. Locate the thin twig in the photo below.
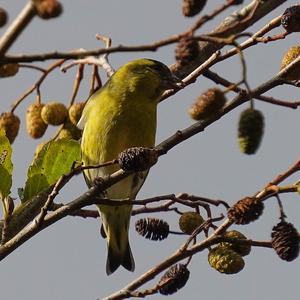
(37, 84)
(16, 27)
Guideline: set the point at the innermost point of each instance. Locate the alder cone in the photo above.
(290, 20)
(11, 124)
(285, 241)
(225, 260)
(3, 17)
(174, 279)
(48, 9)
(137, 159)
(189, 221)
(187, 50)
(9, 70)
(191, 8)
(35, 125)
(75, 112)
(152, 228)
(245, 211)
(241, 249)
(54, 113)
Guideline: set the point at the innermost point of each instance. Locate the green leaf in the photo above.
(55, 159)
(6, 166)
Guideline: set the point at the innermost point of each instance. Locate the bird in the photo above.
(120, 115)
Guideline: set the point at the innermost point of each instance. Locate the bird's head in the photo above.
(147, 77)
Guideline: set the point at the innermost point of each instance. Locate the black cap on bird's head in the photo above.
(162, 71)
(169, 80)
(146, 77)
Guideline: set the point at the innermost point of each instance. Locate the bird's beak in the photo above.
(173, 82)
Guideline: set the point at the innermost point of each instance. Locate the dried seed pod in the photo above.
(75, 112)
(290, 20)
(245, 211)
(225, 260)
(9, 70)
(187, 50)
(137, 159)
(47, 9)
(54, 113)
(208, 104)
(35, 125)
(250, 130)
(293, 72)
(69, 131)
(191, 8)
(241, 249)
(3, 17)
(11, 124)
(174, 279)
(285, 241)
(189, 221)
(152, 228)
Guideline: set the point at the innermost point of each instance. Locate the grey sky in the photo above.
(67, 260)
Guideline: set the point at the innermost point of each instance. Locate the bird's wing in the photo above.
(81, 123)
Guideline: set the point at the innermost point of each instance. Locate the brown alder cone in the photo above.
(11, 124)
(3, 17)
(35, 125)
(187, 49)
(174, 279)
(75, 112)
(245, 211)
(47, 9)
(191, 8)
(9, 70)
(152, 228)
(290, 19)
(54, 113)
(137, 159)
(285, 241)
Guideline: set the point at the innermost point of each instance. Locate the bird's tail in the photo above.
(116, 226)
(115, 258)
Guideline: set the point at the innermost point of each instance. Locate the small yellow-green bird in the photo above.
(121, 115)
